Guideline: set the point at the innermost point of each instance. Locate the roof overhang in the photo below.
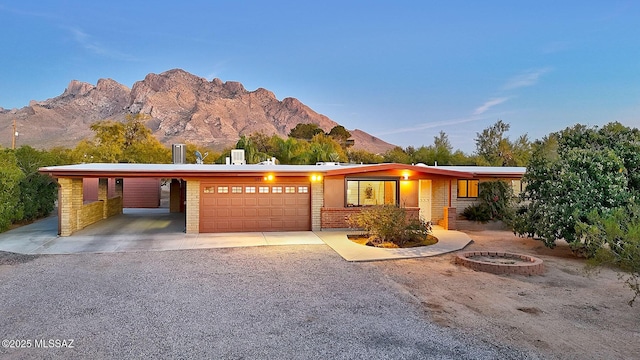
(101, 170)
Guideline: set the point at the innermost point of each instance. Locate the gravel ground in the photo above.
(295, 302)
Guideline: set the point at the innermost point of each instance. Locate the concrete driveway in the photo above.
(159, 230)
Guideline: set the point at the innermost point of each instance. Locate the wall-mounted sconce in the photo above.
(316, 178)
(269, 177)
(405, 176)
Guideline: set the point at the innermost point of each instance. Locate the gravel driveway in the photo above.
(294, 302)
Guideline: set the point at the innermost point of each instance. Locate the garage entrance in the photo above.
(241, 207)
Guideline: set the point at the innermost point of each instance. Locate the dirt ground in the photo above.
(565, 313)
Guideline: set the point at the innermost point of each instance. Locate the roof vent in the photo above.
(237, 157)
(179, 153)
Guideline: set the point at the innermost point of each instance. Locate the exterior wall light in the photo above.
(405, 176)
(316, 178)
(268, 177)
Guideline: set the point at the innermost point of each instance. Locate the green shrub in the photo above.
(389, 223)
(613, 238)
(477, 212)
(10, 176)
(495, 202)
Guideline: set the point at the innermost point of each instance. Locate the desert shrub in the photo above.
(613, 238)
(495, 202)
(389, 223)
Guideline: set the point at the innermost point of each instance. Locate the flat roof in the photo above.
(207, 170)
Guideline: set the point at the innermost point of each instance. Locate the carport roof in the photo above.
(207, 170)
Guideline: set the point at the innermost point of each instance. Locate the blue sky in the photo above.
(400, 70)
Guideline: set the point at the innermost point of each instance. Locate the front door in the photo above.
(424, 201)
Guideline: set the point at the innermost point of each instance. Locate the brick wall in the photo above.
(193, 206)
(113, 206)
(90, 213)
(317, 202)
(336, 218)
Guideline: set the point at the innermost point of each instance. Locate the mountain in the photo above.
(181, 107)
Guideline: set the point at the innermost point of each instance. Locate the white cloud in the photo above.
(95, 47)
(429, 125)
(489, 104)
(527, 78)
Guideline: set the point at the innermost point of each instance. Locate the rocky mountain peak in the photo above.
(76, 87)
(181, 107)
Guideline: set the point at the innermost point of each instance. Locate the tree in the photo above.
(10, 177)
(574, 172)
(305, 131)
(397, 155)
(38, 192)
(323, 148)
(364, 157)
(341, 135)
(493, 148)
(129, 142)
(583, 186)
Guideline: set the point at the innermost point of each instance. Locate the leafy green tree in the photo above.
(38, 192)
(130, 142)
(493, 148)
(588, 169)
(325, 148)
(290, 150)
(10, 178)
(305, 131)
(397, 155)
(251, 153)
(341, 135)
(364, 157)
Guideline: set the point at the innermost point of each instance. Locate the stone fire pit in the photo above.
(497, 262)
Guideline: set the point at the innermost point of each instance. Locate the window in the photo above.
(276, 189)
(263, 189)
(468, 188)
(303, 189)
(517, 186)
(367, 192)
(236, 189)
(250, 189)
(209, 190)
(223, 189)
(290, 189)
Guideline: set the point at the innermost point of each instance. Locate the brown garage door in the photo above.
(250, 207)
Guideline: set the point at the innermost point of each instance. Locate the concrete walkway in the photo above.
(158, 230)
(448, 241)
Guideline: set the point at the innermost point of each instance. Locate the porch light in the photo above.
(316, 178)
(268, 177)
(405, 176)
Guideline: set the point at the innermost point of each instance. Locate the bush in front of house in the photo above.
(390, 223)
(495, 202)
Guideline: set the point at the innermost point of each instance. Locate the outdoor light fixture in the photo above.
(405, 176)
(268, 177)
(316, 178)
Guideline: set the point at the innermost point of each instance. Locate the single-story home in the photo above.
(270, 197)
